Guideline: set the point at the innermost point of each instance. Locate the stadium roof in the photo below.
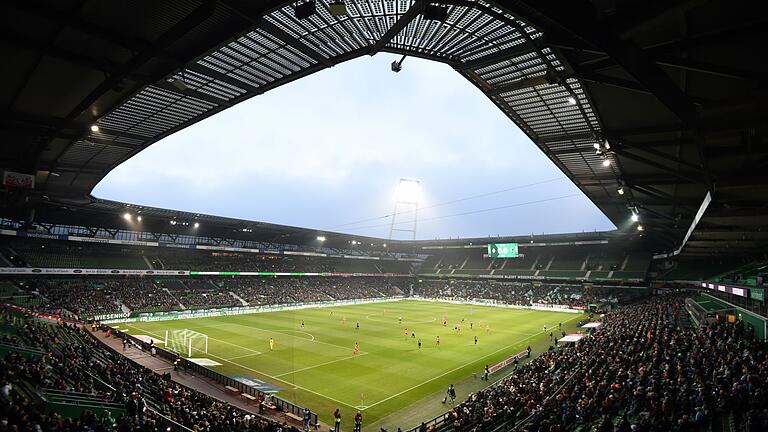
(676, 88)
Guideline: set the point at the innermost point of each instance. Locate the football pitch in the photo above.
(316, 366)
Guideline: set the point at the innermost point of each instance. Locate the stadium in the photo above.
(122, 316)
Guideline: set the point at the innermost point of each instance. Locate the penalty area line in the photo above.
(244, 355)
(321, 364)
(275, 378)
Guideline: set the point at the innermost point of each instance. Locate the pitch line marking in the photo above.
(241, 356)
(322, 364)
(275, 378)
(457, 368)
(211, 338)
(303, 332)
(282, 333)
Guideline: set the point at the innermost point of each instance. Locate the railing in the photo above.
(167, 423)
(282, 405)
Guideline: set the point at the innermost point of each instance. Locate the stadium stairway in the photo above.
(240, 299)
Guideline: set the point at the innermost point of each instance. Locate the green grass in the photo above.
(315, 366)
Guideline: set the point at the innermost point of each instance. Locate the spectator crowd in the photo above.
(644, 370)
(74, 362)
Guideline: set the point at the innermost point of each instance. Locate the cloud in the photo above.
(330, 148)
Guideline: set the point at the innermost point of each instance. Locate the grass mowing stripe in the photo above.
(270, 376)
(322, 364)
(281, 333)
(458, 367)
(211, 338)
(396, 374)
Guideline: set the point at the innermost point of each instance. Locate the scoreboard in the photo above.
(502, 250)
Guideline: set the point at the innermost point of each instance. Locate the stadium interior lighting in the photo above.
(620, 190)
(596, 146)
(408, 191)
(384, 245)
(138, 218)
(127, 216)
(197, 225)
(304, 10)
(397, 65)
(173, 222)
(321, 238)
(337, 8)
(179, 84)
(635, 217)
(606, 162)
(572, 100)
(94, 128)
(639, 227)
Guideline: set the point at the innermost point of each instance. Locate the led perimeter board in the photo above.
(502, 250)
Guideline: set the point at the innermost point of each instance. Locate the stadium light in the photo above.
(385, 245)
(138, 218)
(620, 190)
(197, 225)
(127, 216)
(321, 238)
(572, 100)
(635, 217)
(408, 191)
(337, 8)
(606, 162)
(639, 227)
(94, 128)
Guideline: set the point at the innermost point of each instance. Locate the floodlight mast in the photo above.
(406, 202)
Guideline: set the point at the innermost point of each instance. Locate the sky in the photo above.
(327, 152)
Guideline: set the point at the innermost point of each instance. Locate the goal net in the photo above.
(186, 342)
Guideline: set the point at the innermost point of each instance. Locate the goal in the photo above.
(186, 341)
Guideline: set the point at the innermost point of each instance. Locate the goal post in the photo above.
(186, 342)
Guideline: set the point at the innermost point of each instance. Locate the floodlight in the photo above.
(94, 128)
(197, 224)
(620, 190)
(385, 245)
(572, 100)
(408, 191)
(596, 146)
(138, 218)
(639, 227)
(337, 8)
(635, 217)
(321, 238)
(606, 162)
(179, 84)
(127, 216)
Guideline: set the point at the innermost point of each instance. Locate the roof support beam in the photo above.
(517, 85)
(181, 28)
(254, 12)
(663, 155)
(416, 8)
(574, 18)
(610, 81)
(491, 59)
(641, 159)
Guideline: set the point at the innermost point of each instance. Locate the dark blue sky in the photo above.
(329, 150)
